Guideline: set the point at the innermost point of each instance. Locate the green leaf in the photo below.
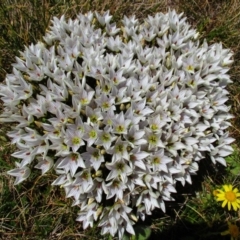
(3, 138)
(110, 237)
(236, 170)
(142, 232)
(126, 237)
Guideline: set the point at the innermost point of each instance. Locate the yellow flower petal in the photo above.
(220, 198)
(235, 190)
(221, 194)
(229, 206)
(225, 187)
(235, 206)
(224, 203)
(220, 191)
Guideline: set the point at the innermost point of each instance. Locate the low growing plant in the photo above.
(120, 114)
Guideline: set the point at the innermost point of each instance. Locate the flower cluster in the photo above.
(120, 114)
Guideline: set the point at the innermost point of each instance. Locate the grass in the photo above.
(36, 210)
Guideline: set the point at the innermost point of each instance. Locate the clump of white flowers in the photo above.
(120, 114)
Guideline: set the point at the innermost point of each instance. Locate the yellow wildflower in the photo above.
(233, 230)
(228, 196)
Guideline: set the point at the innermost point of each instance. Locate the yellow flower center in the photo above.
(106, 137)
(230, 196)
(76, 140)
(156, 160)
(92, 134)
(190, 68)
(120, 128)
(105, 105)
(74, 156)
(120, 167)
(119, 148)
(96, 155)
(64, 147)
(154, 127)
(153, 139)
(84, 101)
(93, 119)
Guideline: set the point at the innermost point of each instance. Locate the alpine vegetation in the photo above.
(120, 114)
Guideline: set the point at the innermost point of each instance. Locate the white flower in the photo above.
(115, 188)
(93, 116)
(85, 180)
(153, 139)
(93, 157)
(73, 189)
(105, 139)
(111, 29)
(140, 109)
(159, 161)
(71, 162)
(117, 169)
(103, 19)
(89, 214)
(119, 151)
(85, 97)
(26, 154)
(149, 199)
(120, 124)
(137, 158)
(61, 148)
(91, 134)
(21, 173)
(44, 164)
(134, 136)
(105, 102)
(156, 124)
(16, 135)
(99, 187)
(74, 139)
(114, 44)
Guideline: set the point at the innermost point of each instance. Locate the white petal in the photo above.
(221, 160)
(129, 228)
